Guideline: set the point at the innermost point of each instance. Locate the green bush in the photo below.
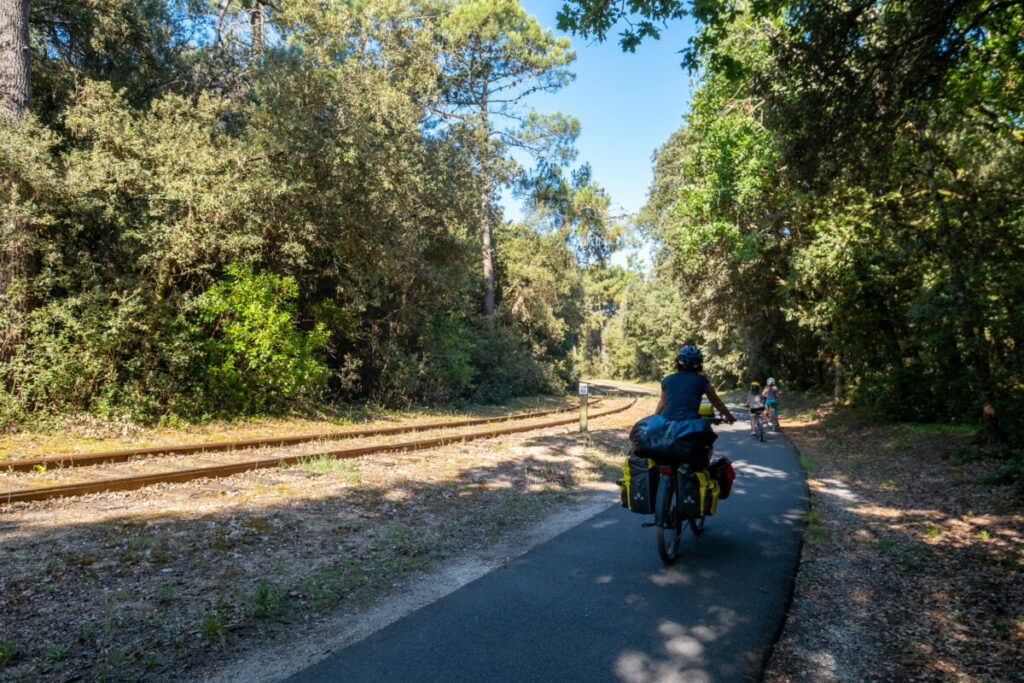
(101, 352)
(445, 372)
(254, 360)
(506, 365)
(459, 359)
(234, 350)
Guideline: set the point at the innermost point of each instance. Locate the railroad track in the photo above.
(107, 457)
(240, 460)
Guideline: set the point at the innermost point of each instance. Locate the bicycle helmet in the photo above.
(755, 386)
(690, 358)
(771, 381)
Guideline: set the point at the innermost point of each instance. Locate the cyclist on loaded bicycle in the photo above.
(756, 404)
(682, 391)
(771, 395)
(685, 493)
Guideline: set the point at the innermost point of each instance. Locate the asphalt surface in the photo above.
(597, 604)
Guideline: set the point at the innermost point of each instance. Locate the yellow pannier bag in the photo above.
(639, 485)
(706, 409)
(698, 493)
(709, 491)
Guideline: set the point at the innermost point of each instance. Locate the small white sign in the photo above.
(583, 389)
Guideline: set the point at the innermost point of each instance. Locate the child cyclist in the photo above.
(771, 395)
(756, 404)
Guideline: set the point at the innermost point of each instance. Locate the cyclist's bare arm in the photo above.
(661, 404)
(717, 403)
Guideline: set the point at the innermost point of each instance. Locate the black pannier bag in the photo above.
(673, 442)
(639, 485)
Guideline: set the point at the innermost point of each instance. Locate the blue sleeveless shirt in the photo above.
(683, 391)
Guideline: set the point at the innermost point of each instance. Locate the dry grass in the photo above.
(87, 434)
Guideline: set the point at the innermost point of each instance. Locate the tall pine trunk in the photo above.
(15, 87)
(485, 212)
(256, 21)
(485, 250)
(16, 259)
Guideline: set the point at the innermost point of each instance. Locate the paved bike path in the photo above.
(597, 604)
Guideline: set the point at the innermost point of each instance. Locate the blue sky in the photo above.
(628, 104)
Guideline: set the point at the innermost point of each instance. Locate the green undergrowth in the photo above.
(327, 464)
(815, 531)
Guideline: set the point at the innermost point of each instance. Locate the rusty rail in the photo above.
(215, 471)
(106, 457)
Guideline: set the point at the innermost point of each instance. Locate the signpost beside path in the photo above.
(583, 406)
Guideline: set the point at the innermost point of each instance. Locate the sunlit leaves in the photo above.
(644, 18)
(255, 360)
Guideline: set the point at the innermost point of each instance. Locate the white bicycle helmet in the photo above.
(771, 381)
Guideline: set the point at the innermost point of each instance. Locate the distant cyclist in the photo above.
(755, 401)
(682, 391)
(771, 396)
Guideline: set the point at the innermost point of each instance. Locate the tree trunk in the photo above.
(16, 258)
(840, 387)
(485, 249)
(991, 418)
(604, 352)
(485, 209)
(256, 27)
(15, 87)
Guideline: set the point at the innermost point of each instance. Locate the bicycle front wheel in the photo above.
(670, 532)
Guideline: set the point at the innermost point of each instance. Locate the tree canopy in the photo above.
(493, 56)
(198, 199)
(845, 195)
(243, 207)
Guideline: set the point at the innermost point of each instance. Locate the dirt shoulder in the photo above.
(241, 578)
(911, 569)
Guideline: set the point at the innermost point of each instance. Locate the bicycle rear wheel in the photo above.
(760, 428)
(669, 534)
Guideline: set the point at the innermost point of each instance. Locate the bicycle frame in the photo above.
(759, 422)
